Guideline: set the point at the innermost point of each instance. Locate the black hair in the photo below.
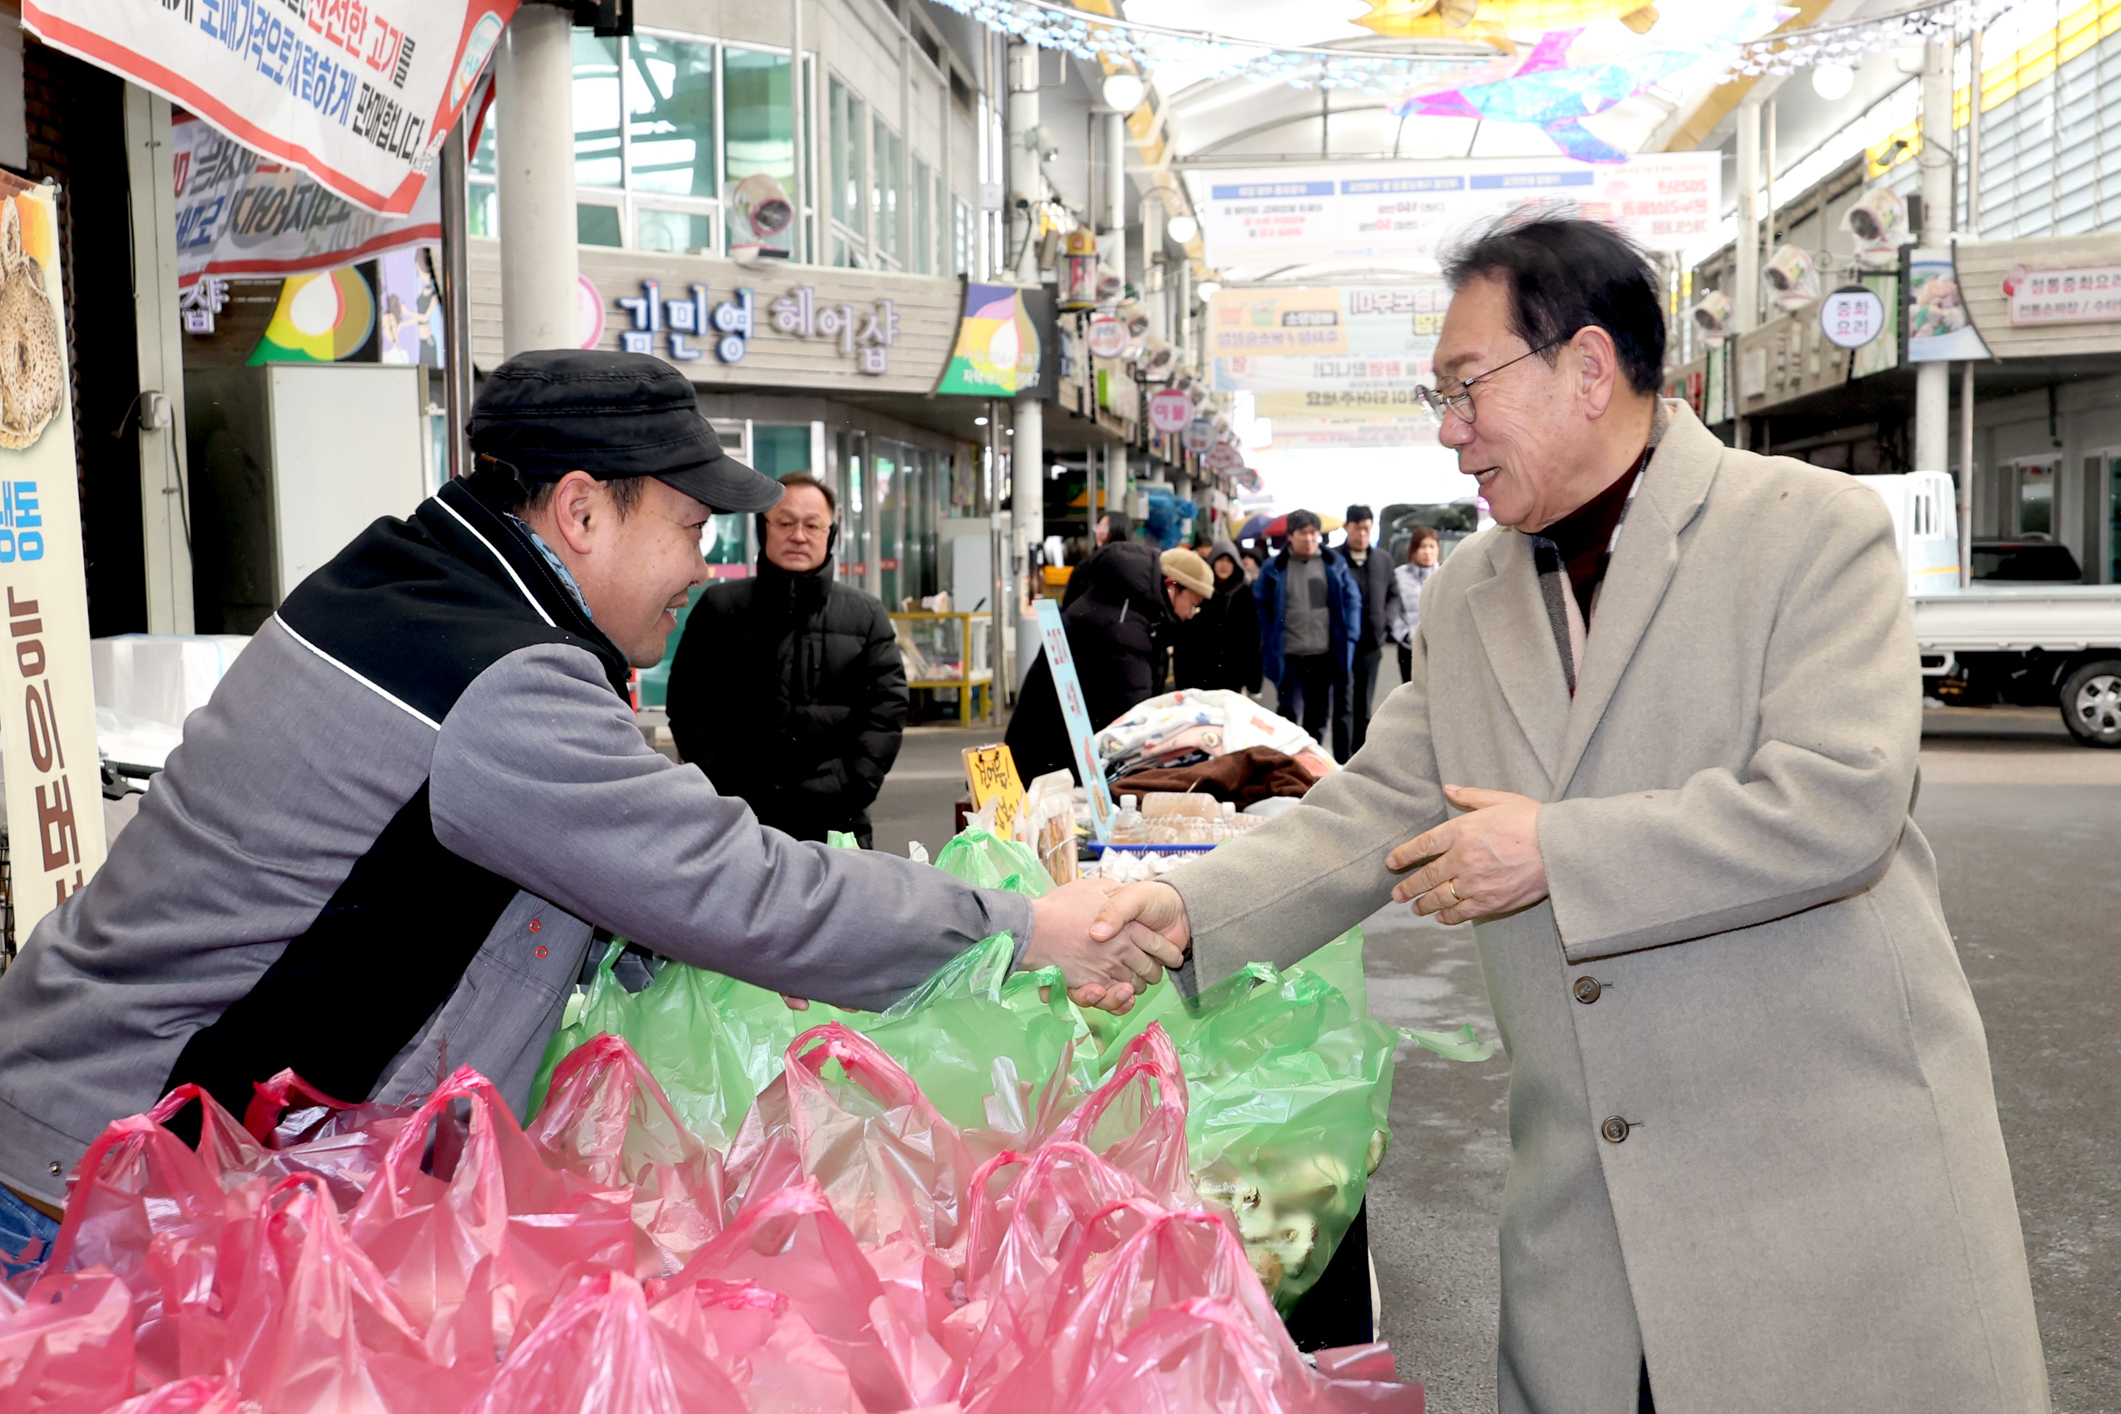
(1358, 512)
(1566, 274)
(803, 478)
(501, 486)
(1303, 520)
(1119, 528)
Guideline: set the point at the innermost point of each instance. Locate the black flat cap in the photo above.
(613, 415)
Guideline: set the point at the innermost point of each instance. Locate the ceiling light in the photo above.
(1125, 91)
(1182, 228)
(1832, 81)
(979, 422)
(1208, 289)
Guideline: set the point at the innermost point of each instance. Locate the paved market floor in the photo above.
(2024, 824)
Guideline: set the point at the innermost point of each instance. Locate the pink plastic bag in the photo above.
(606, 1120)
(143, 1205)
(1137, 1119)
(69, 1350)
(767, 1350)
(310, 1132)
(190, 1396)
(1209, 1353)
(311, 1327)
(599, 1352)
(885, 1158)
(475, 1241)
(1122, 1266)
(791, 1242)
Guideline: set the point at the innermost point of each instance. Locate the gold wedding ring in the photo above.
(1452, 885)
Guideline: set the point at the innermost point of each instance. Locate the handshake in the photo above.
(1111, 942)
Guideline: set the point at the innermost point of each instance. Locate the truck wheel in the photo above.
(2091, 703)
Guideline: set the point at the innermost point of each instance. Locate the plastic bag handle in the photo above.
(269, 1102)
(1078, 1125)
(466, 1083)
(866, 1063)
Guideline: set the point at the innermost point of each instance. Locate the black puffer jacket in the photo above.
(1219, 646)
(787, 690)
(1119, 626)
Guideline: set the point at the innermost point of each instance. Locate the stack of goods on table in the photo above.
(1214, 742)
(981, 1200)
(852, 1251)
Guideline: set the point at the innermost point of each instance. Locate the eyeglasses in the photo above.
(809, 525)
(1461, 402)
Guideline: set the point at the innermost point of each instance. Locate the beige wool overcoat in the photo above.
(1753, 1132)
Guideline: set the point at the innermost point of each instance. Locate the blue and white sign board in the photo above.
(1082, 740)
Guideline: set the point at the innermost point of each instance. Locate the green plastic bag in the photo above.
(989, 862)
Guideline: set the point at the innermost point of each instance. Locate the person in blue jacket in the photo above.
(1310, 614)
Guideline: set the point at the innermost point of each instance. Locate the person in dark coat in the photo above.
(1373, 577)
(787, 689)
(1220, 646)
(1310, 615)
(1120, 612)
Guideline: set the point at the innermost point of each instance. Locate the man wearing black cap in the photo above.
(384, 845)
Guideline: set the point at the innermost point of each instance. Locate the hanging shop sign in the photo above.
(1108, 335)
(1273, 324)
(1415, 210)
(357, 93)
(1850, 317)
(243, 216)
(1938, 330)
(998, 351)
(1200, 433)
(727, 325)
(1170, 410)
(2089, 295)
(48, 713)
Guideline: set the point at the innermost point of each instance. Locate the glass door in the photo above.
(890, 466)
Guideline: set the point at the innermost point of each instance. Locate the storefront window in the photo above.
(760, 157)
(964, 238)
(850, 173)
(780, 451)
(596, 111)
(890, 182)
(923, 192)
(2036, 499)
(666, 128)
(670, 117)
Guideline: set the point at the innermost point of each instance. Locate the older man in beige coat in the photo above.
(1755, 1157)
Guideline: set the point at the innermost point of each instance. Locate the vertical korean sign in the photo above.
(47, 703)
(1082, 742)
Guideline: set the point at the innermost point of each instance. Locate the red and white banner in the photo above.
(242, 216)
(357, 93)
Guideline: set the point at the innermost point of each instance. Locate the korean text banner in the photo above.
(242, 216)
(47, 697)
(357, 93)
(1253, 328)
(1417, 210)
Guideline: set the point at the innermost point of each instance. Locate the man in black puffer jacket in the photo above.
(787, 689)
(1121, 608)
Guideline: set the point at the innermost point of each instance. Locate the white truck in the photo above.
(2031, 644)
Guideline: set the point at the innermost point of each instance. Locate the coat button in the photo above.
(1614, 1130)
(1587, 990)
(55, 1166)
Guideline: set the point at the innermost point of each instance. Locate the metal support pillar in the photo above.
(456, 294)
(165, 517)
(1933, 381)
(1025, 181)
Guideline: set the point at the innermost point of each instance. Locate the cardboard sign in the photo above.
(1082, 739)
(991, 773)
(47, 699)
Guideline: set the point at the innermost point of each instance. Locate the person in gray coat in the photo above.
(1659, 747)
(389, 836)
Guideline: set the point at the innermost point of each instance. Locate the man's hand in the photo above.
(1151, 917)
(1107, 971)
(1480, 864)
